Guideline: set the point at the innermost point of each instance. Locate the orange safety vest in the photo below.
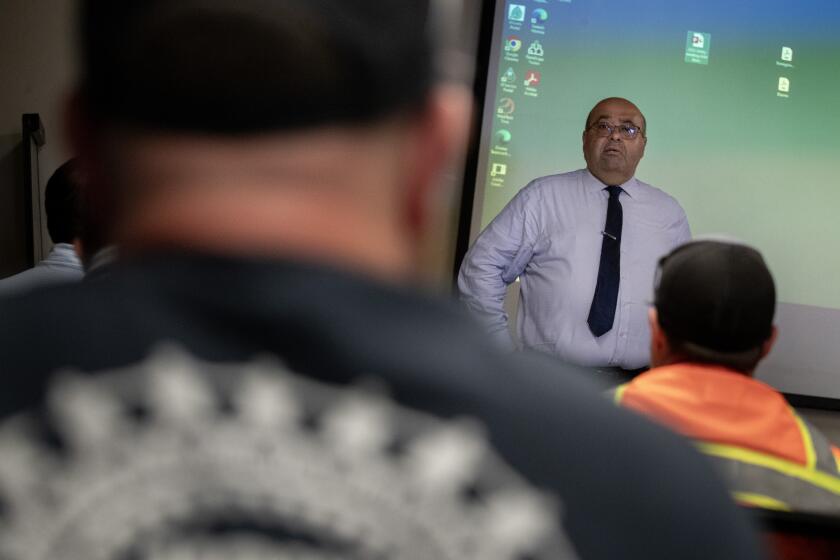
(771, 456)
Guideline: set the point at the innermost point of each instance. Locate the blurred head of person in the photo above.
(73, 216)
(714, 303)
(62, 203)
(315, 129)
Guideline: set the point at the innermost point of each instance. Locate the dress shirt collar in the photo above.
(63, 254)
(593, 183)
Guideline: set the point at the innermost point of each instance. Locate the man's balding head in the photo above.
(594, 113)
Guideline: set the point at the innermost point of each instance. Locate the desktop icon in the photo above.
(506, 106)
(513, 44)
(784, 85)
(536, 49)
(539, 16)
(516, 12)
(498, 169)
(503, 136)
(697, 46)
(787, 54)
(509, 76)
(532, 78)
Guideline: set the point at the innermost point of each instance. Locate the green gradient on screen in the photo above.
(741, 159)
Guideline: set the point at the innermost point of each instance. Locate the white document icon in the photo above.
(784, 85)
(787, 54)
(698, 41)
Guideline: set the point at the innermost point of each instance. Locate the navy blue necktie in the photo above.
(602, 312)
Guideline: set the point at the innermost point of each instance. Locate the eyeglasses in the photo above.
(626, 130)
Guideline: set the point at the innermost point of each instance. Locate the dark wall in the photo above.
(13, 253)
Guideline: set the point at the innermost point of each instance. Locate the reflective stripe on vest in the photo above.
(790, 484)
(618, 392)
(760, 501)
(817, 446)
(771, 482)
(807, 441)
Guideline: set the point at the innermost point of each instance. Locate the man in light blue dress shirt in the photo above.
(550, 237)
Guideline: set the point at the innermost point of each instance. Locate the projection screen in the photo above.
(742, 101)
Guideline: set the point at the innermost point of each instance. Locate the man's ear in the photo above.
(659, 347)
(438, 143)
(78, 248)
(768, 344)
(653, 321)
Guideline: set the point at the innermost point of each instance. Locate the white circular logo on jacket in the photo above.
(175, 459)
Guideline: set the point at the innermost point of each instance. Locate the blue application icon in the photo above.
(539, 16)
(516, 12)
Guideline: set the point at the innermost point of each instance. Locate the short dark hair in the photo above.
(249, 66)
(61, 203)
(744, 361)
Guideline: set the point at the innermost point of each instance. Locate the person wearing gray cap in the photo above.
(711, 324)
(255, 377)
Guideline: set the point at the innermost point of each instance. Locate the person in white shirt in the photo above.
(61, 202)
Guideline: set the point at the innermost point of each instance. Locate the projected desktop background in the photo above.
(742, 101)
